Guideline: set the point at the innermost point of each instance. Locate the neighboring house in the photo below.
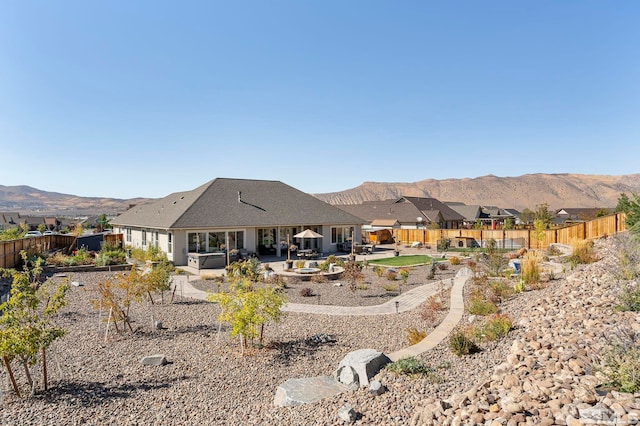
(471, 214)
(579, 214)
(514, 215)
(247, 215)
(9, 220)
(409, 212)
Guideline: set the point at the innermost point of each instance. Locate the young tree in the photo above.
(631, 207)
(26, 326)
(248, 309)
(543, 214)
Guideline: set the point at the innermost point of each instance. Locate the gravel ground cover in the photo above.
(207, 382)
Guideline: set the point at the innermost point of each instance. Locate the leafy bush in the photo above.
(410, 366)
(404, 275)
(306, 292)
(461, 344)
(629, 297)
(494, 328)
(443, 266)
(478, 305)
(500, 290)
(621, 362)
(414, 335)
(455, 260)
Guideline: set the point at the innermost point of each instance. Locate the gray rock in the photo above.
(347, 414)
(376, 388)
(157, 359)
(348, 377)
(365, 362)
(309, 389)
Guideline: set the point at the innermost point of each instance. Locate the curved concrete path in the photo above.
(406, 301)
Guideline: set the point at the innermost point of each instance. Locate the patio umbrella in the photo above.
(307, 233)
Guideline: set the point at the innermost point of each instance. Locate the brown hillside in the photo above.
(526, 191)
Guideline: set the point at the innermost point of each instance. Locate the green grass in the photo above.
(402, 260)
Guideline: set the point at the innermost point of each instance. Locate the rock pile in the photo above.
(551, 375)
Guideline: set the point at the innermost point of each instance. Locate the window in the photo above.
(156, 241)
(144, 238)
(341, 234)
(128, 234)
(197, 241)
(170, 239)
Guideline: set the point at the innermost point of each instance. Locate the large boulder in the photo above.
(307, 389)
(359, 366)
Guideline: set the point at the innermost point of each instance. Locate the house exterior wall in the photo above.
(179, 252)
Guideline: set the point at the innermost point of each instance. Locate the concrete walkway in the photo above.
(454, 316)
(406, 301)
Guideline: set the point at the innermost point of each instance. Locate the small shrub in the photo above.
(531, 268)
(410, 366)
(629, 297)
(362, 286)
(378, 270)
(404, 275)
(455, 260)
(500, 291)
(494, 328)
(553, 251)
(209, 277)
(306, 292)
(429, 309)
(391, 275)
(582, 252)
(471, 264)
(389, 287)
(414, 335)
(620, 362)
(461, 344)
(478, 305)
(299, 264)
(443, 266)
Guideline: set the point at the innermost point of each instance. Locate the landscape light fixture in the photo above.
(397, 306)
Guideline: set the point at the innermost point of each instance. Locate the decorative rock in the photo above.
(347, 414)
(596, 414)
(348, 377)
(154, 360)
(365, 362)
(309, 389)
(376, 388)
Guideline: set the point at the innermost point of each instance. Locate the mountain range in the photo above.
(526, 191)
(520, 192)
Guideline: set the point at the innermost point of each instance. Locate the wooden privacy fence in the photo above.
(516, 238)
(10, 250)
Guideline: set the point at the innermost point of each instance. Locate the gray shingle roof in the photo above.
(225, 202)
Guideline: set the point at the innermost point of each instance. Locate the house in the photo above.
(471, 214)
(408, 212)
(9, 220)
(225, 214)
(579, 214)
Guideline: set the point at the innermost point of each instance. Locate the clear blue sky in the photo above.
(144, 98)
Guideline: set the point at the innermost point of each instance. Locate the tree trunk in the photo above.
(27, 373)
(44, 368)
(7, 364)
